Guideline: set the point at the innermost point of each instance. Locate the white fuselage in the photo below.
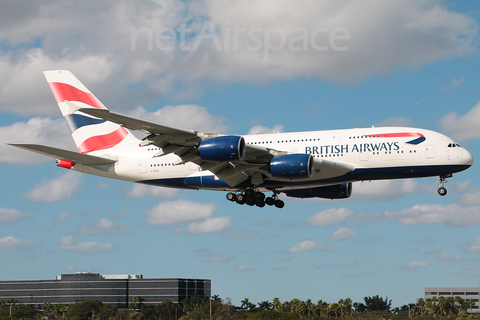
(375, 153)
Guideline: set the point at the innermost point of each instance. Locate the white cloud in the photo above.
(11, 215)
(68, 244)
(455, 83)
(243, 267)
(64, 215)
(217, 257)
(413, 265)
(244, 234)
(11, 242)
(57, 189)
(447, 256)
(384, 190)
(462, 127)
(186, 116)
(329, 216)
(210, 225)
(343, 233)
(141, 190)
(35, 131)
(309, 245)
(450, 215)
(473, 245)
(258, 129)
(103, 226)
(265, 42)
(179, 211)
(476, 266)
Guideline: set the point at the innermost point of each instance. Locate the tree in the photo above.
(84, 310)
(107, 312)
(441, 304)
(24, 311)
(421, 303)
(471, 304)
(133, 305)
(277, 304)
(377, 303)
(265, 305)
(168, 310)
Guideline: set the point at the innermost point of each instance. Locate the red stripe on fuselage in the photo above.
(394, 135)
(103, 142)
(63, 91)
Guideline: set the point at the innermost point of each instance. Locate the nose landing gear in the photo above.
(441, 189)
(255, 198)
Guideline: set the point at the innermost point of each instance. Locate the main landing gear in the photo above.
(441, 189)
(255, 198)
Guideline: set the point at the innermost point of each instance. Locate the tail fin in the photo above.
(89, 133)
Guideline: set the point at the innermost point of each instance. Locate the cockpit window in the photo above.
(457, 145)
(453, 145)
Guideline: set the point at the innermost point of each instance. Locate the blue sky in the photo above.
(413, 63)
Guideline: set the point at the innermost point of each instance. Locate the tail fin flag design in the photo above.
(89, 133)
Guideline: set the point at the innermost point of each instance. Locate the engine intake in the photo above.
(292, 166)
(338, 191)
(224, 148)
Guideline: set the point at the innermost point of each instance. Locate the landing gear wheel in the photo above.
(231, 196)
(260, 203)
(259, 195)
(249, 193)
(240, 199)
(250, 201)
(442, 191)
(269, 201)
(279, 204)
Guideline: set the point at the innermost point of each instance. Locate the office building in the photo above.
(116, 290)
(464, 293)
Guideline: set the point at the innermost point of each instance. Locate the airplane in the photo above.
(314, 164)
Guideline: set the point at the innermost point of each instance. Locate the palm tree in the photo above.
(309, 304)
(441, 304)
(459, 301)
(277, 304)
(471, 304)
(347, 306)
(421, 303)
(134, 301)
(245, 302)
(47, 307)
(265, 305)
(320, 306)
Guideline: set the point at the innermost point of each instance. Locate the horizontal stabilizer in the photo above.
(135, 124)
(56, 153)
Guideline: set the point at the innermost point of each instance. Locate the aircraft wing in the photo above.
(56, 153)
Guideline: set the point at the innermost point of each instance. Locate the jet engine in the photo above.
(224, 148)
(338, 191)
(292, 166)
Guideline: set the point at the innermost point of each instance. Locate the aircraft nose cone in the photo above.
(468, 158)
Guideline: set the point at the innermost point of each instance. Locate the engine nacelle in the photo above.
(225, 148)
(338, 191)
(292, 166)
